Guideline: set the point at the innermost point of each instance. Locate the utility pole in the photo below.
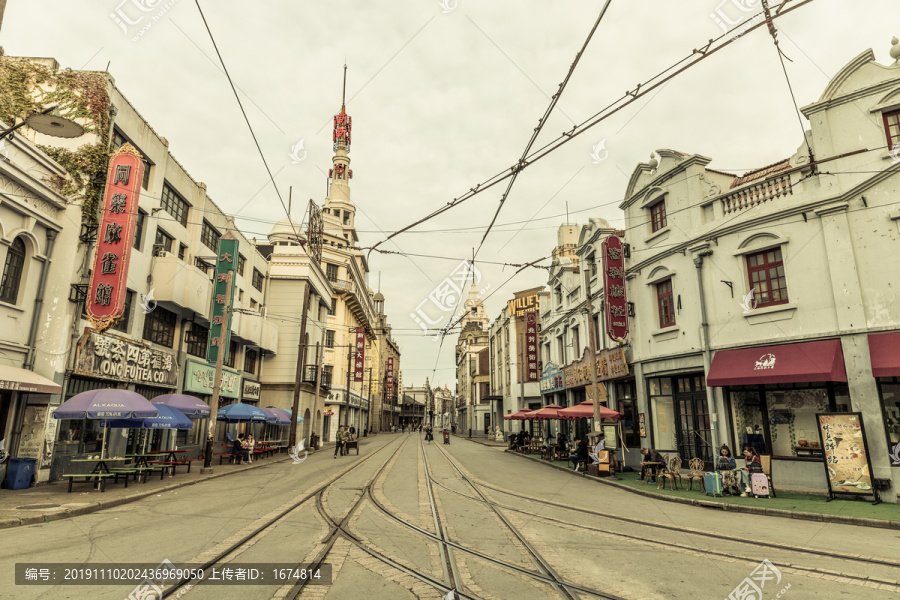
(301, 358)
(319, 356)
(217, 382)
(593, 344)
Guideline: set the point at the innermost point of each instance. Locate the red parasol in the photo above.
(517, 416)
(585, 410)
(551, 411)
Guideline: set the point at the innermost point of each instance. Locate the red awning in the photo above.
(790, 363)
(884, 352)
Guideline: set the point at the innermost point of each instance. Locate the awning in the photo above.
(884, 352)
(23, 380)
(791, 363)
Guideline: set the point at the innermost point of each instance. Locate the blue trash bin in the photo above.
(20, 473)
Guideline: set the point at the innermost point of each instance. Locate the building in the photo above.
(766, 298)
(473, 367)
(415, 407)
(510, 389)
(385, 406)
(443, 406)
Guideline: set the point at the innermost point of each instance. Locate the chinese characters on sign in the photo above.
(200, 378)
(220, 321)
(359, 354)
(109, 276)
(610, 364)
(531, 347)
(109, 357)
(552, 378)
(846, 460)
(614, 288)
(389, 381)
(342, 126)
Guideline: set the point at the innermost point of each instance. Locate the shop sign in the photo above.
(220, 320)
(642, 425)
(359, 358)
(389, 382)
(108, 357)
(251, 390)
(531, 347)
(115, 237)
(200, 378)
(610, 364)
(614, 288)
(552, 379)
(523, 303)
(847, 465)
(589, 391)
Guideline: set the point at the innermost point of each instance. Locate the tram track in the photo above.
(673, 545)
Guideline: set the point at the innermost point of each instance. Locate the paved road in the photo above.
(408, 519)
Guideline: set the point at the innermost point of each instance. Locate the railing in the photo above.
(309, 376)
(757, 193)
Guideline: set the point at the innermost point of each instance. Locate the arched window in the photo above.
(12, 271)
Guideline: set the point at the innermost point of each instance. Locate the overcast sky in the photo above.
(444, 96)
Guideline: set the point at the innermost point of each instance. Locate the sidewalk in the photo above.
(51, 501)
(785, 504)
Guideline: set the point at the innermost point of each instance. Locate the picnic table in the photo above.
(100, 472)
(143, 464)
(172, 459)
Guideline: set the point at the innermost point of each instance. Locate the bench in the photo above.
(135, 472)
(163, 466)
(231, 457)
(183, 461)
(101, 479)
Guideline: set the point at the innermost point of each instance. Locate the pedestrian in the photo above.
(428, 436)
(250, 444)
(339, 441)
(237, 449)
(653, 460)
(352, 432)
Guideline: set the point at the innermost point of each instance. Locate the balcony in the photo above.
(178, 285)
(255, 330)
(309, 376)
(357, 300)
(757, 193)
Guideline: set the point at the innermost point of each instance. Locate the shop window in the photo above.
(892, 127)
(662, 409)
(792, 417)
(159, 327)
(747, 419)
(625, 404)
(889, 390)
(665, 303)
(767, 280)
(658, 216)
(12, 271)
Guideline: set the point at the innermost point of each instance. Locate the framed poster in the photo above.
(642, 427)
(609, 436)
(847, 467)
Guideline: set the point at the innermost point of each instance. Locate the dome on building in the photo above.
(287, 230)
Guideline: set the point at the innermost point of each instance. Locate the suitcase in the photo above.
(712, 483)
(759, 484)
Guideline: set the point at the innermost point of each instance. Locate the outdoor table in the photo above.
(170, 454)
(99, 472)
(101, 466)
(141, 462)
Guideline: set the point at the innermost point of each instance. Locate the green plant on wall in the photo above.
(27, 87)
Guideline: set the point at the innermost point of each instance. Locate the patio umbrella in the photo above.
(191, 406)
(585, 410)
(548, 412)
(168, 418)
(107, 403)
(284, 415)
(241, 413)
(517, 416)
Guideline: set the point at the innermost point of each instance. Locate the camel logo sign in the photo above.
(766, 361)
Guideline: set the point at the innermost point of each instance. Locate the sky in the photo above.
(445, 94)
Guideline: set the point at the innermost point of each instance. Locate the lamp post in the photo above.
(48, 122)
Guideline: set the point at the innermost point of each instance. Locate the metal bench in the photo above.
(101, 479)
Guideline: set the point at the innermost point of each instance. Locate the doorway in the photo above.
(692, 419)
(487, 423)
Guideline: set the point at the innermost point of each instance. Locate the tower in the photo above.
(338, 202)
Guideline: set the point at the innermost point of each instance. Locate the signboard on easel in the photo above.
(847, 466)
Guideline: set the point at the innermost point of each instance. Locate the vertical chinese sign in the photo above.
(220, 321)
(614, 288)
(115, 237)
(359, 356)
(531, 347)
(389, 378)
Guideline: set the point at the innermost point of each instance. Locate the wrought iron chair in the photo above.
(671, 471)
(696, 474)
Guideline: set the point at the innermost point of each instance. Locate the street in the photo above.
(498, 527)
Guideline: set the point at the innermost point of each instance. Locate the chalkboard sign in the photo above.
(847, 466)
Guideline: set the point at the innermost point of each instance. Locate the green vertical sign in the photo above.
(220, 327)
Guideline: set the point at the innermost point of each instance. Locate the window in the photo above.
(662, 408)
(197, 338)
(210, 236)
(159, 327)
(123, 323)
(576, 341)
(257, 279)
(658, 216)
(331, 272)
(892, 127)
(767, 281)
(163, 242)
(329, 338)
(139, 230)
(203, 265)
(174, 204)
(889, 390)
(561, 345)
(592, 260)
(182, 250)
(118, 140)
(232, 352)
(12, 271)
(241, 261)
(327, 371)
(333, 309)
(558, 293)
(665, 303)
(250, 358)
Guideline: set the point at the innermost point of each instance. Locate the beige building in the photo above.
(473, 368)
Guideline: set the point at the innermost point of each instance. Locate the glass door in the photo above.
(694, 439)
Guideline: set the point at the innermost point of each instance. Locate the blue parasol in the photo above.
(168, 418)
(191, 406)
(241, 413)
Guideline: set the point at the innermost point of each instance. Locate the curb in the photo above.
(763, 511)
(40, 518)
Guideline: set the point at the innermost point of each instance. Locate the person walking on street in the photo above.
(339, 442)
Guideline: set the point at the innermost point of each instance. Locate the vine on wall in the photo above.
(27, 87)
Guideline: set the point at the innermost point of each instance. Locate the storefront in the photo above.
(553, 385)
(772, 395)
(611, 368)
(199, 380)
(24, 414)
(884, 351)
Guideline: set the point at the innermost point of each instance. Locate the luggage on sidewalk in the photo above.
(712, 484)
(759, 484)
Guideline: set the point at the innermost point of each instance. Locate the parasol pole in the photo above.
(103, 444)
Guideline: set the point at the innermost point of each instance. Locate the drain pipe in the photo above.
(707, 361)
(39, 302)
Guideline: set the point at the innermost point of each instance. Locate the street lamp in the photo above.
(49, 122)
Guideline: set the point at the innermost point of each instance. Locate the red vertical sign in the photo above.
(389, 378)
(359, 356)
(115, 237)
(531, 347)
(614, 288)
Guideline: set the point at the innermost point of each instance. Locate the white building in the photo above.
(473, 368)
